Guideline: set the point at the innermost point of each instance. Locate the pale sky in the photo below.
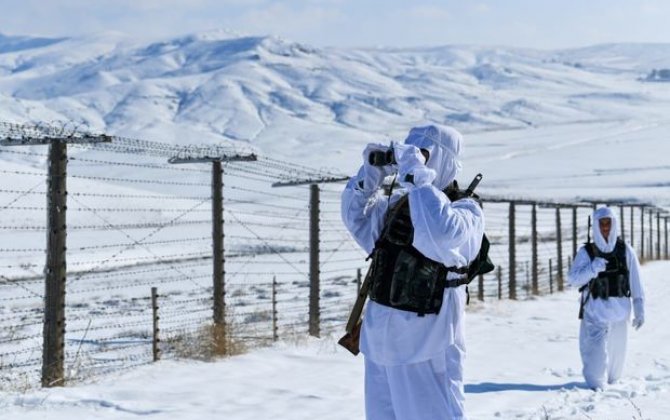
(351, 23)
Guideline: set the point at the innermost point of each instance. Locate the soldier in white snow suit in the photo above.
(413, 328)
(607, 272)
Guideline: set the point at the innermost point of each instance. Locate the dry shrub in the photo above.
(205, 343)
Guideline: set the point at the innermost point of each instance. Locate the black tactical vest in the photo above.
(402, 277)
(615, 280)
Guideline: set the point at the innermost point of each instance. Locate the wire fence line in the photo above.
(138, 221)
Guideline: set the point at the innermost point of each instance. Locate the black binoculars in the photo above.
(381, 157)
(387, 157)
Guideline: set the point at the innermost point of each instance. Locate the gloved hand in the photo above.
(597, 265)
(373, 176)
(638, 313)
(412, 168)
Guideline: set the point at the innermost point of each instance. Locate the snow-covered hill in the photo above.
(279, 94)
(591, 108)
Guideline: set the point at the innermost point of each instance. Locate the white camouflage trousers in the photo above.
(603, 350)
(430, 390)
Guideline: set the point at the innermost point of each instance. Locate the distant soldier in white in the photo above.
(607, 272)
(421, 244)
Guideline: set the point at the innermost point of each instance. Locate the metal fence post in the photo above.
(658, 235)
(480, 287)
(559, 250)
(533, 222)
(574, 230)
(651, 233)
(666, 237)
(218, 258)
(275, 328)
(632, 226)
(55, 270)
(551, 278)
(53, 351)
(512, 251)
(499, 276)
(622, 231)
(642, 254)
(314, 280)
(156, 330)
(218, 265)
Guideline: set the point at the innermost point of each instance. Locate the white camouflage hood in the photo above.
(444, 145)
(602, 244)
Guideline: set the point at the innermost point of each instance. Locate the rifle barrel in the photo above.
(473, 184)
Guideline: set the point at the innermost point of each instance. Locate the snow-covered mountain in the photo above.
(239, 87)
(296, 101)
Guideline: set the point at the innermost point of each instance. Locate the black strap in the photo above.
(455, 282)
(458, 270)
(387, 217)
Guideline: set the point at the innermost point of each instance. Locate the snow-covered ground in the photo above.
(522, 363)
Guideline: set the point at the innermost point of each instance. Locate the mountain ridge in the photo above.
(264, 89)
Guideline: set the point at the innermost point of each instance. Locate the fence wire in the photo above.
(137, 222)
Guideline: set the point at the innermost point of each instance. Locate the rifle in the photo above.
(350, 340)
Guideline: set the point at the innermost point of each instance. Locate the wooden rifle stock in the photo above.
(351, 339)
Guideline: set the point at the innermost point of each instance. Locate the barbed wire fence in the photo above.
(288, 266)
